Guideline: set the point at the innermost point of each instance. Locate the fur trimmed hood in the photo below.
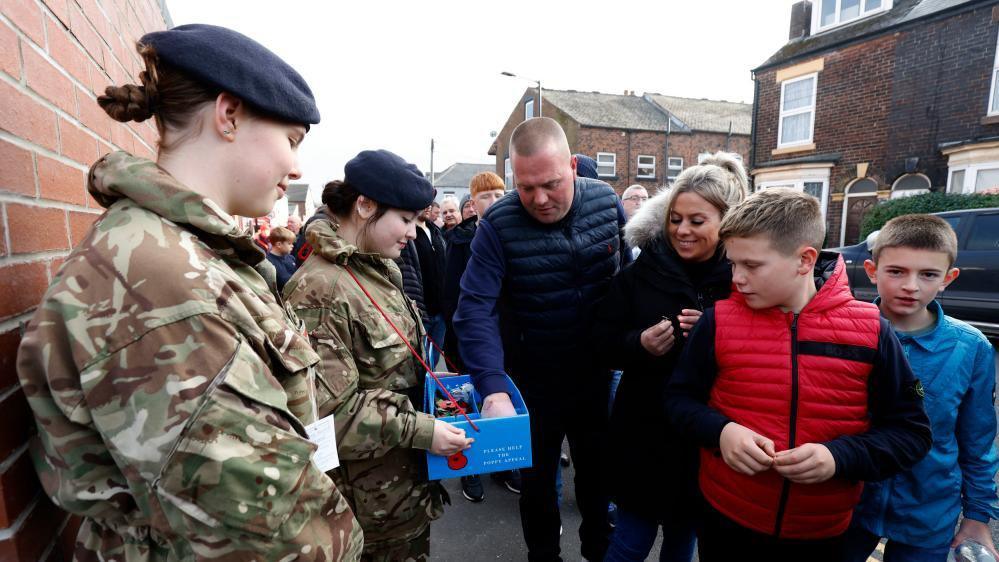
(649, 223)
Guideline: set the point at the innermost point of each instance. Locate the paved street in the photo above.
(495, 525)
(491, 530)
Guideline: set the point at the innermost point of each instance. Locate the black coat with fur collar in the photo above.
(653, 470)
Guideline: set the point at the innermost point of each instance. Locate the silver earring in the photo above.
(227, 132)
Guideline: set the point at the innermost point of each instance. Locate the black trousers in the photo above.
(579, 414)
(719, 539)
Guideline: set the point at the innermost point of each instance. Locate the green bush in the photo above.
(881, 213)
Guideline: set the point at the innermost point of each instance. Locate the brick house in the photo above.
(55, 57)
(874, 99)
(644, 139)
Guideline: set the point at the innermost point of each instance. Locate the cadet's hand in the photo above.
(808, 464)
(448, 439)
(688, 317)
(976, 531)
(498, 405)
(658, 339)
(745, 450)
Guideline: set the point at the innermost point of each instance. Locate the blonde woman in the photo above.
(639, 327)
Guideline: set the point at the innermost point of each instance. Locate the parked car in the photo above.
(974, 295)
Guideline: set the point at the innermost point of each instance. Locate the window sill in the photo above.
(990, 119)
(610, 178)
(653, 178)
(793, 149)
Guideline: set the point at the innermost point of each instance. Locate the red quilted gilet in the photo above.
(795, 380)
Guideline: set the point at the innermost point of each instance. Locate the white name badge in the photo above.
(323, 435)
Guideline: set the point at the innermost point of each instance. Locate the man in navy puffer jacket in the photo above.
(541, 258)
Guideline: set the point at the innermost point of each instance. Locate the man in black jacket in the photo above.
(430, 249)
(485, 189)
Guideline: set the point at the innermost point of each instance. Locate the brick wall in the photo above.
(890, 98)
(943, 71)
(55, 57)
(627, 145)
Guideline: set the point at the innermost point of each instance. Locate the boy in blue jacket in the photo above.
(917, 511)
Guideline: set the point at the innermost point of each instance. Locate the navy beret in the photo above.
(586, 167)
(389, 180)
(239, 65)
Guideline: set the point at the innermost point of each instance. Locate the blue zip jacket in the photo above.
(956, 366)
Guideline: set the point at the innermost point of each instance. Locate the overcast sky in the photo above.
(396, 74)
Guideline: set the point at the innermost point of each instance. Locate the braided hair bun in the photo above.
(126, 103)
(131, 102)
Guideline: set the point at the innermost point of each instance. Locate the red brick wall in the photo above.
(55, 57)
(626, 144)
(851, 116)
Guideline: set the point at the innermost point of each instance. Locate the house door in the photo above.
(861, 195)
(856, 208)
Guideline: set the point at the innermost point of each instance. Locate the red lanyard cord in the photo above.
(413, 351)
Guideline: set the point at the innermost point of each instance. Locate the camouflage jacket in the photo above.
(170, 386)
(370, 382)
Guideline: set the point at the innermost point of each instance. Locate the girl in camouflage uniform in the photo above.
(369, 378)
(170, 384)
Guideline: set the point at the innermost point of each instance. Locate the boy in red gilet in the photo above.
(795, 391)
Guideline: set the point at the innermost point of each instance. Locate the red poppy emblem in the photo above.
(457, 461)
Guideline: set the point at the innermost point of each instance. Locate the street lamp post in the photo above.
(538, 82)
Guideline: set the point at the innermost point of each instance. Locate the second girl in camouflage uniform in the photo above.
(369, 378)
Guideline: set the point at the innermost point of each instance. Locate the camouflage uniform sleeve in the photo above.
(369, 422)
(199, 423)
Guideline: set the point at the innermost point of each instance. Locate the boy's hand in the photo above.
(658, 339)
(745, 450)
(688, 317)
(808, 464)
(976, 531)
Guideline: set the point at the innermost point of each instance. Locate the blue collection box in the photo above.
(500, 444)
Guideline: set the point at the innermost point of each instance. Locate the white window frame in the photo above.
(674, 165)
(899, 193)
(817, 14)
(528, 104)
(992, 109)
(638, 164)
(970, 175)
(782, 114)
(508, 173)
(799, 184)
(612, 164)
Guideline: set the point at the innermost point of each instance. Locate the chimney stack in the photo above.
(801, 20)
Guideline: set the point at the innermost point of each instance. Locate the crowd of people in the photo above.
(704, 358)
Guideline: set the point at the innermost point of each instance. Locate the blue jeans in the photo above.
(435, 329)
(860, 543)
(634, 537)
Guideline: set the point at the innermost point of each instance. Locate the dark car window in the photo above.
(984, 233)
(953, 222)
